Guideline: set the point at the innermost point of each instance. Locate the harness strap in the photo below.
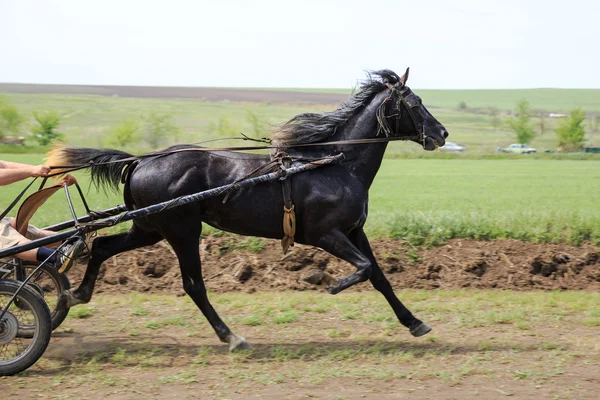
(16, 200)
(75, 167)
(289, 228)
(289, 216)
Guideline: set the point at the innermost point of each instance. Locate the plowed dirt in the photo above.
(504, 264)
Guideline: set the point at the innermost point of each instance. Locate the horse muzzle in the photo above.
(431, 144)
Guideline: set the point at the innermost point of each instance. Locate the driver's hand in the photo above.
(40, 170)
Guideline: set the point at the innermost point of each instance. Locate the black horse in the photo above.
(330, 202)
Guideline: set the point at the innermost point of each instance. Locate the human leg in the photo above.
(9, 237)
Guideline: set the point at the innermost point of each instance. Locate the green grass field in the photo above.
(549, 99)
(87, 120)
(427, 201)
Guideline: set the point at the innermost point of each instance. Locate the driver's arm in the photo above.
(13, 172)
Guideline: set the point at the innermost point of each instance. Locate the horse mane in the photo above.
(316, 127)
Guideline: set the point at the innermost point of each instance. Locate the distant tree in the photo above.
(10, 119)
(125, 133)
(462, 106)
(570, 131)
(496, 120)
(258, 124)
(45, 132)
(224, 127)
(159, 128)
(542, 122)
(521, 124)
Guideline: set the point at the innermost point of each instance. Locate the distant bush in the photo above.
(45, 132)
(521, 124)
(570, 131)
(225, 128)
(258, 125)
(10, 119)
(462, 106)
(125, 133)
(159, 128)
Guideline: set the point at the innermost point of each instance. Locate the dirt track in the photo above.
(505, 264)
(485, 344)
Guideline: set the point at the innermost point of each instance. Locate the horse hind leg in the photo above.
(187, 250)
(104, 247)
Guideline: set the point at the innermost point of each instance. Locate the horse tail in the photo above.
(105, 165)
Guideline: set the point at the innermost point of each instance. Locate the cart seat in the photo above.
(31, 205)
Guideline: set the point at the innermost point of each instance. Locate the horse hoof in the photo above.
(420, 330)
(61, 304)
(238, 343)
(67, 300)
(333, 289)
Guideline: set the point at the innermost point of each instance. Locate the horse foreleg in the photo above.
(193, 284)
(380, 282)
(104, 247)
(338, 244)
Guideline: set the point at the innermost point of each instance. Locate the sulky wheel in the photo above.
(47, 282)
(29, 309)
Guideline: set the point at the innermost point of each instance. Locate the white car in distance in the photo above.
(451, 146)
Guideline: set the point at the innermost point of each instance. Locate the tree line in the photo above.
(157, 129)
(570, 131)
(153, 129)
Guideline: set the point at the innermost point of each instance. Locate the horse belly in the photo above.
(256, 211)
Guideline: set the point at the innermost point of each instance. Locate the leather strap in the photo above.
(63, 169)
(16, 200)
(289, 215)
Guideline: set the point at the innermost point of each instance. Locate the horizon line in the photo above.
(279, 87)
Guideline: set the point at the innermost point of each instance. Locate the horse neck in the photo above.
(363, 160)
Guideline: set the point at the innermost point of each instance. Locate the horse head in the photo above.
(403, 115)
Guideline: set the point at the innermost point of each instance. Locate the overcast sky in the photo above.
(449, 44)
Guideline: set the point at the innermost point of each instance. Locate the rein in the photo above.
(70, 168)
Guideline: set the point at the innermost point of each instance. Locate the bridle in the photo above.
(404, 96)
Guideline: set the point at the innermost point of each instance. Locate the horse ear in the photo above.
(404, 78)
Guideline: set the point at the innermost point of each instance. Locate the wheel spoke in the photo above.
(29, 311)
(23, 315)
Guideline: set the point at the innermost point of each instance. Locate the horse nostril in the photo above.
(445, 134)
